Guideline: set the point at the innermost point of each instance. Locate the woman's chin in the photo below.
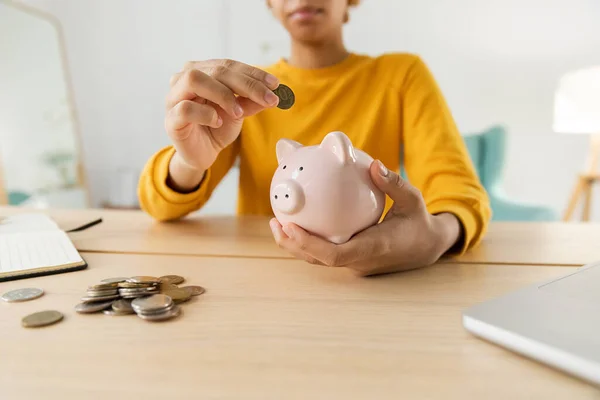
(307, 34)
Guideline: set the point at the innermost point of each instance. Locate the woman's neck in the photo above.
(310, 55)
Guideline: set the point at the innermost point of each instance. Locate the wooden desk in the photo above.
(573, 244)
(124, 231)
(275, 329)
(556, 243)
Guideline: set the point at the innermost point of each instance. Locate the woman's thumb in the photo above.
(405, 196)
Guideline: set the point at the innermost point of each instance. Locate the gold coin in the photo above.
(41, 318)
(164, 287)
(143, 279)
(174, 279)
(114, 280)
(286, 97)
(103, 286)
(100, 293)
(194, 290)
(178, 295)
(131, 285)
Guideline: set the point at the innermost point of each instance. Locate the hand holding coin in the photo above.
(206, 106)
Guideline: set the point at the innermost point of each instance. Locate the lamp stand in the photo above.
(585, 183)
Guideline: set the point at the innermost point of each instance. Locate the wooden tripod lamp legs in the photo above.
(585, 183)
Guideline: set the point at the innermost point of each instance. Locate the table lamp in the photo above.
(577, 111)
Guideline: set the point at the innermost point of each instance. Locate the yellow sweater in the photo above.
(387, 105)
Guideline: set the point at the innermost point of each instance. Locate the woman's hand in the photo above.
(407, 238)
(206, 106)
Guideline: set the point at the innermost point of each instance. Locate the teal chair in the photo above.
(16, 198)
(487, 150)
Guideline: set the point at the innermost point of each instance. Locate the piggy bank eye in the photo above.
(284, 166)
(300, 169)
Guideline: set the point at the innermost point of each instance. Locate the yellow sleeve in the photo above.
(162, 202)
(436, 158)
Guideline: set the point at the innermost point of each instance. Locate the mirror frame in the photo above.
(80, 168)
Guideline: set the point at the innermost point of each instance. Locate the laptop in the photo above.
(556, 322)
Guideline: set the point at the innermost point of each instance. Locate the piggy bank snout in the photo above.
(287, 197)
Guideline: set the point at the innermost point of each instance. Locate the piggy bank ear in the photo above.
(339, 144)
(285, 147)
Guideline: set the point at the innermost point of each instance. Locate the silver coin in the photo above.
(143, 279)
(110, 311)
(144, 293)
(159, 311)
(172, 313)
(135, 296)
(91, 299)
(22, 295)
(85, 308)
(150, 303)
(138, 290)
(114, 280)
(123, 306)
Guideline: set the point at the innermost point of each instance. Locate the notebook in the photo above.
(33, 245)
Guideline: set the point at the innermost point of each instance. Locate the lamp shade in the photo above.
(577, 102)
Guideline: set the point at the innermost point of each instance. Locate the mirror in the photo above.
(40, 160)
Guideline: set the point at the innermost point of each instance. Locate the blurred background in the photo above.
(83, 82)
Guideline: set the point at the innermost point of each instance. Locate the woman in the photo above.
(218, 110)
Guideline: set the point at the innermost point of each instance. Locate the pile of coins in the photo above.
(150, 298)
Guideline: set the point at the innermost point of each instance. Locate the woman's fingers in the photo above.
(249, 106)
(242, 84)
(256, 73)
(190, 112)
(284, 242)
(195, 83)
(220, 81)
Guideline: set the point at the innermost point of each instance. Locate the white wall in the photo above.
(121, 55)
(23, 86)
(497, 61)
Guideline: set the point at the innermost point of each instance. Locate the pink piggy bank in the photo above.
(325, 189)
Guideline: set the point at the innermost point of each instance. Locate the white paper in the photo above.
(30, 241)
